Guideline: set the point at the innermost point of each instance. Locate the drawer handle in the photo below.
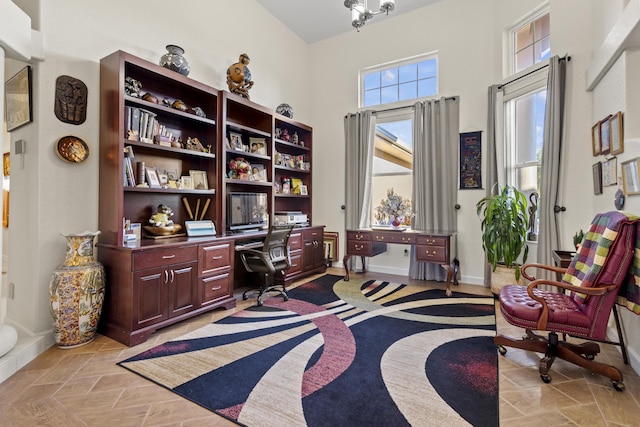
(431, 254)
(359, 237)
(217, 257)
(359, 248)
(379, 237)
(168, 256)
(217, 288)
(294, 265)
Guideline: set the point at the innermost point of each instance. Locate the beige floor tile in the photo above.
(588, 415)
(175, 411)
(617, 407)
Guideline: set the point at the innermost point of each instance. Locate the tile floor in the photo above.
(84, 387)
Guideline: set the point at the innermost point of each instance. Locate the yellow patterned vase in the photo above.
(77, 293)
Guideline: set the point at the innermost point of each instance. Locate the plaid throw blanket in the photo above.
(587, 264)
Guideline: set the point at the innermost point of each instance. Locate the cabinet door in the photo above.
(183, 288)
(149, 296)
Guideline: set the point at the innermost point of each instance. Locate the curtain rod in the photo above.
(564, 58)
(401, 108)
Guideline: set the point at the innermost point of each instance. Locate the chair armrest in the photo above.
(264, 258)
(533, 265)
(544, 316)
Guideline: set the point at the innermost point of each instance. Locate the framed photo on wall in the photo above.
(617, 133)
(17, 98)
(597, 178)
(630, 181)
(605, 136)
(595, 139)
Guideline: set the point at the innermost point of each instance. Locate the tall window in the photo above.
(525, 104)
(531, 42)
(393, 159)
(399, 81)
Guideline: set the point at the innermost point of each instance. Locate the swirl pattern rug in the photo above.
(357, 353)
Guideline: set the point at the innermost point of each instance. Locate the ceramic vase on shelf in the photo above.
(77, 293)
(396, 222)
(174, 60)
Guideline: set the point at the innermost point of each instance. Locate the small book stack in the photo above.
(129, 179)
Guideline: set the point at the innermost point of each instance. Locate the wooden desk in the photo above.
(432, 246)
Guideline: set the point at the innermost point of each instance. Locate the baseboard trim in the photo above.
(26, 349)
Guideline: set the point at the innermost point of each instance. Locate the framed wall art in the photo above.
(605, 136)
(17, 95)
(617, 133)
(470, 160)
(595, 139)
(630, 182)
(330, 241)
(597, 178)
(610, 172)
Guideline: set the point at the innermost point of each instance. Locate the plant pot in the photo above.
(504, 276)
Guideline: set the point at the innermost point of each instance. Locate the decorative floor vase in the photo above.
(77, 293)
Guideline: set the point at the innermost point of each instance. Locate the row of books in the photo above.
(142, 125)
(129, 179)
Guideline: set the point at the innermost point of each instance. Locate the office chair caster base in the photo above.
(502, 350)
(545, 378)
(618, 385)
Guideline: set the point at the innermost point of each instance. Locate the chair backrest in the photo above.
(276, 243)
(605, 257)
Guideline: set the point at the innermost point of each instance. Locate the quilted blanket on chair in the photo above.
(587, 265)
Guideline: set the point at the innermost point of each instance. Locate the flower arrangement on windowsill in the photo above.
(394, 210)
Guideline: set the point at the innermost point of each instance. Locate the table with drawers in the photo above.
(431, 246)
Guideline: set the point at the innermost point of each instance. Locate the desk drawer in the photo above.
(164, 257)
(437, 254)
(214, 257)
(296, 263)
(354, 235)
(394, 237)
(432, 240)
(295, 241)
(362, 248)
(213, 288)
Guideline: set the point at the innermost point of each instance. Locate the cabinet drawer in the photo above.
(213, 288)
(432, 240)
(354, 235)
(296, 263)
(313, 234)
(295, 241)
(432, 254)
(214, 257)
(162, 257)
(355, 247)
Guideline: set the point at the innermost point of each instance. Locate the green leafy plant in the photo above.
(504, 227)
(577, 238)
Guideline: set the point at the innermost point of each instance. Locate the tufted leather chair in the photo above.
(592, 280)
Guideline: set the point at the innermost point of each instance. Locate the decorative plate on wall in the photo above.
(72, 149)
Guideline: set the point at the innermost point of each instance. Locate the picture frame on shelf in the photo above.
(303, 190)
(630, 181)
(258, 172)
(152, 177)
(617, 133)
(235, 140)
(164, 179)
(186, 182)
(258, 146)
(595, 139)
(597, 178)
(199, 179)
(610, 172)
(18, 99)
(605, 135)
(296, 184)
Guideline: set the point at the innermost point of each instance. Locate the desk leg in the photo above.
(345, 264)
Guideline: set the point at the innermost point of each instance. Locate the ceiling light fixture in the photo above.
(360, 13)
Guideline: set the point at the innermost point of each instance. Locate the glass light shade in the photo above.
(387, 6)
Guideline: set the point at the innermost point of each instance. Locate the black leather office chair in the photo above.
(271, 259)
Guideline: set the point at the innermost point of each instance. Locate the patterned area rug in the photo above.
(357, 353)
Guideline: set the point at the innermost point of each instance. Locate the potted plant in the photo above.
(504, 230)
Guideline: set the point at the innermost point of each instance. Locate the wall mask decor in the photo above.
(71, 100)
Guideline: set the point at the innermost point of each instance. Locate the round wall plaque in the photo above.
(618, 199)
(72, 149)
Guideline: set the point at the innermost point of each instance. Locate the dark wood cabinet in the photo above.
(156, 282)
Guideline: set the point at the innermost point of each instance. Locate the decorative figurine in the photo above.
(132, 87)
(285, 109)
(161, 218)
(239, 77)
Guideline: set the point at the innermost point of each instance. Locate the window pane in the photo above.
(408, 91)
(530, 127)
(542, 27)
(527, 178)
(390, 76)
(371, 97)
(427, 68)
(389, 94)
(408, 73)
(524, 37)
(372, 80)
(524, 59)
(542, 49)
(427, 87)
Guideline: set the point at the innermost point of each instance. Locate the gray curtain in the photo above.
(359, 136)
(552, 154)
(491, 174)
(436, 129)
